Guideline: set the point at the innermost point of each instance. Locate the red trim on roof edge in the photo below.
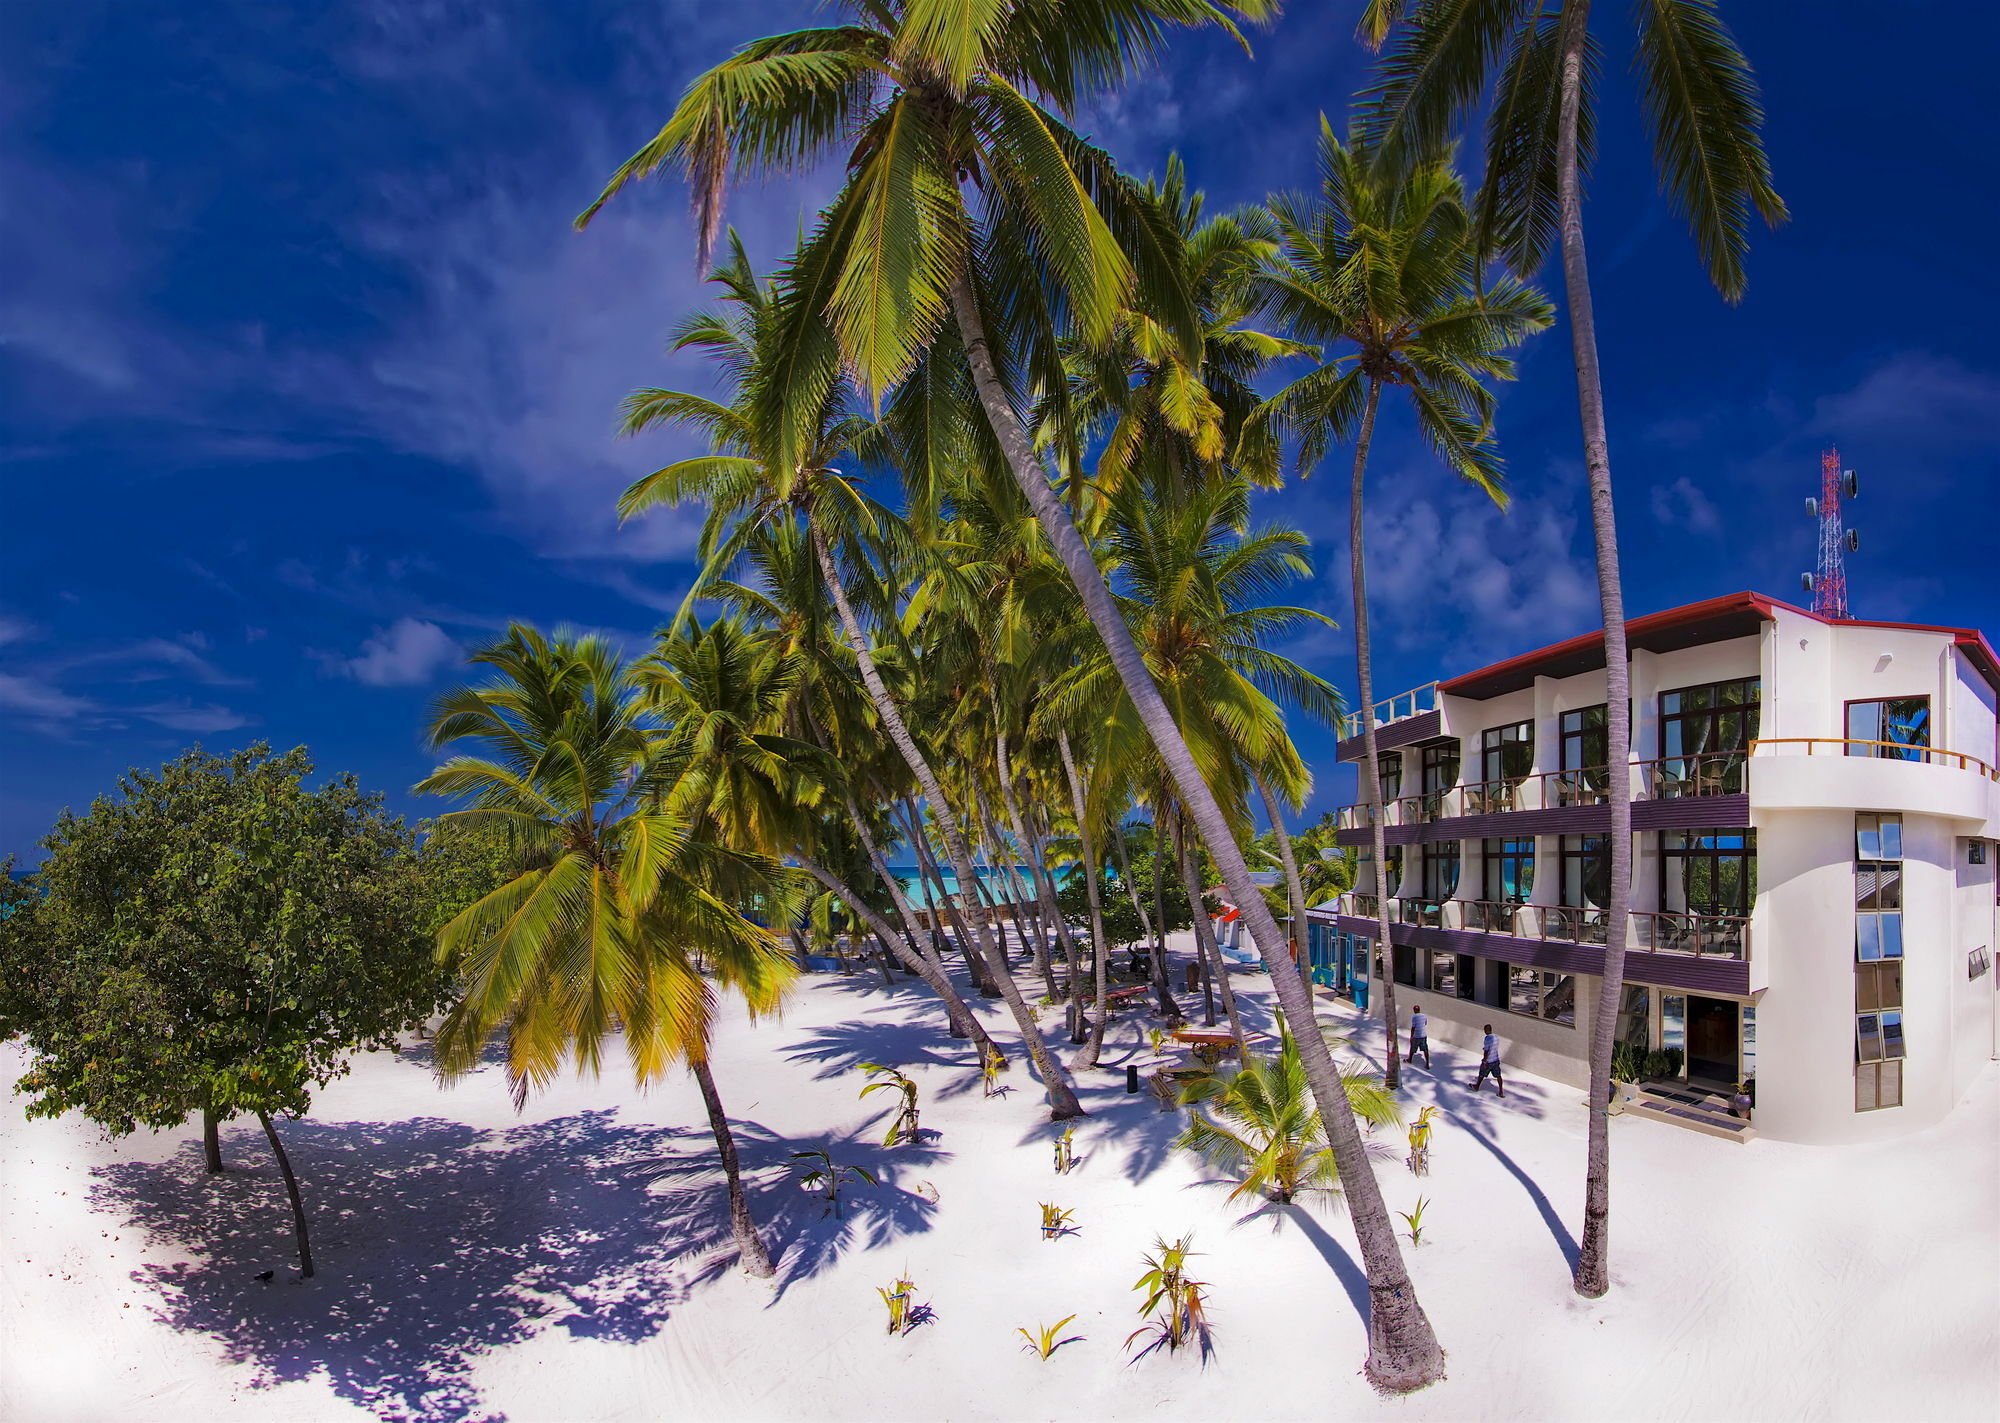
(1978, 651)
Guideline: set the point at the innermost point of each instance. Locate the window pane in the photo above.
(1444, 972)
(1864, 723)
(1673, 1020)
(1890, 1076)
(1559, 999)
(1749, 1041)
(1892, 936)
(1866, 1096)
(1892, 1035)
(1524, 990)
(1892, 837)
(1633, 1015)
(1867, 837)
(1868, 1037)
(1868, 937)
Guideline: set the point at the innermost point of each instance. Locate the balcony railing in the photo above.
(1709, 773)
(1885, 750)
(1721, 936)
(1403, 705)
(1663, 778)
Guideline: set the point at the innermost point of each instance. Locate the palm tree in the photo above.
(756, 477)
(1380, 271)
(968, 195)
(1701, 100)
(1262, 1131)
(626, 892)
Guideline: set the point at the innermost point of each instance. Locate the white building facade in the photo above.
(1814, 809)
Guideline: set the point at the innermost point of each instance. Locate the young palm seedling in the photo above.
(905, 1313)
(1176, 1306)
(990, 1068)
(1045, 1342)
(820, 1172)
(1056, 1222)
(905, 1126)
(1066, 1151)
(1415, 1217)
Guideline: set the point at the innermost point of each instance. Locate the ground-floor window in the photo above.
(1406, 964)
(1541, 993)
(1452, 974)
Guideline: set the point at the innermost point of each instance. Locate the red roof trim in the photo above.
(1978, 651)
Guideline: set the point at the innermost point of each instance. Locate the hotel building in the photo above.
(1814, 816)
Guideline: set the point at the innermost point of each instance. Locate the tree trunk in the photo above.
(1403, 1353)
(211, 1141)
(1371, 766)
(927, 871)
(1131, 888)
(912, 931)
(292, 1191)
(1593, 1272)
(750, 1251)
(1101, 950)
(1295, 889)
(1037, 871)
(965, 1024)
(1161, 984)
(1211, 951)
(1055, 1080)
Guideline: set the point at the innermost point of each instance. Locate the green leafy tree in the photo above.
(1540, 63)
(217, 939)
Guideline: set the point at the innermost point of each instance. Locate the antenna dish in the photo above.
(1812, 508)
(1853, 490)
(1854, 540)
(1805, 581)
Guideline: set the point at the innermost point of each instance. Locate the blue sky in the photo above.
(306, 385)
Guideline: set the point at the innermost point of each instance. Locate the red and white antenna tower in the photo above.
(1829, 585)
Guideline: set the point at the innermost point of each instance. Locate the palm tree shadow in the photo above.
(844, 1046)
(1351, 1278)
(1564, 1240)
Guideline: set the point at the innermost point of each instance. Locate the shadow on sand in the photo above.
(438, 1242)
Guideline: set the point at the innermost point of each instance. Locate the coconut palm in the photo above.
(968, 197)
(759, 474)
(1258, 1126)
(1379, 270)
(1707, 121)
(629, 911)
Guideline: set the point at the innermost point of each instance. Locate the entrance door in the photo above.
(1712, 1040)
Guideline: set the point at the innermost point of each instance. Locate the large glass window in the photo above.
(1708, 872)
(1508, 868)
(1451, 974)
(1506, 755)
(1586, 870)
(1898, 726)
(1585, 757)
(1439, 769)
(1634, 1011)
(1705, 735)
(1440, 870)
(1390, 767)
(1878, 968)
(1541, 993)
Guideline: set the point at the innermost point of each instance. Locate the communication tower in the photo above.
(1829, 585)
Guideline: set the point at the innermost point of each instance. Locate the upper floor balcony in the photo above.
(1401, 707)
(1718, 773)
(1700, 936)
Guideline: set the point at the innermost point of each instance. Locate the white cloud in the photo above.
(1682, 505)
(407, 653)
(1915, 397)
(183, 715)
(41, 701)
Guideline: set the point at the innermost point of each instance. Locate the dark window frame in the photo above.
(1883, 752)
(1492, 878)
(1672, 857)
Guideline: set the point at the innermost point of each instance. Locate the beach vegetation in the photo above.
(819, 1172)
(1046, 1340)
(906, 1125)
(1056, 1222)
(1176, 1304)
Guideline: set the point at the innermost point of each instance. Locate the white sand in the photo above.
(477, 1265)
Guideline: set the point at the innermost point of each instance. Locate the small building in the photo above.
(1814, 815)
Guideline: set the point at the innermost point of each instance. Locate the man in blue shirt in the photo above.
(1420, 1034)
(1489, 1063)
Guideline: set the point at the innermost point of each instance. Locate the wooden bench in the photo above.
(1137, 990)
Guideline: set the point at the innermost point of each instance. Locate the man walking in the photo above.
(1489, 1063)
(1420, 1034)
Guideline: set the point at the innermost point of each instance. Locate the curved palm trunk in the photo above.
(1100, 949)
(291, 1193)
(750, 1249)
(1593, 1277)
(1055, 1081)
(1403, 1352)
(964, 1023)
(1045, 893)
(913, 934)
(1371, 765)
(1295, 889)
(1204, 934)
(1162, 984)
(943, 907)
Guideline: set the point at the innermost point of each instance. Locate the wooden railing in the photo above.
(1880, 750)
(1704, 773)
(1700, 774)
(1718, 936)
(1397, 708)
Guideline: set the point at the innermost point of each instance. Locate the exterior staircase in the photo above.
(1678, 1104)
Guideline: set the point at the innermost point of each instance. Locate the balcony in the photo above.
(1698, 936)
(1816, 773)
(1400, 707)
(1715, 773)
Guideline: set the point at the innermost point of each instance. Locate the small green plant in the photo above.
(1420, 1142)
(1156, 1039)
(1066, 1151)
(1628, 1062)
(903, 1308)
(1415, 1217)
(1176, 1306)
(905, 1125)
(819, 1171)
(1046, 1341)
(1056, 1222)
